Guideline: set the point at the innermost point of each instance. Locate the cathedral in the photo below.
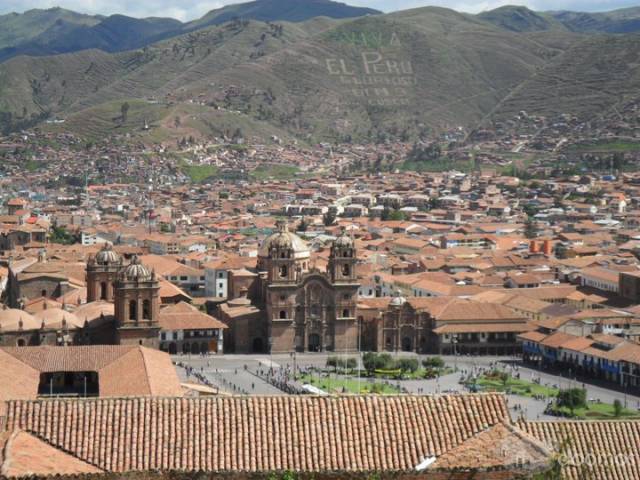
(294, 306)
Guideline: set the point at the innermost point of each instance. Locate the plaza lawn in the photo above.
(420, 374)
(514, 386)
(340, 384)
(597, 411)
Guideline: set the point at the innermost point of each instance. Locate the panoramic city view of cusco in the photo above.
(313, 240)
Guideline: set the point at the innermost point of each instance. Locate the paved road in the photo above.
(247, 374)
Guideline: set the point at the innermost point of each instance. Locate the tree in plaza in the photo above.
(617, 408)
(572, 398)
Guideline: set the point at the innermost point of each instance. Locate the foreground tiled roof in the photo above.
(600, 450)
(500, 446)
(299, 433)
(24, 455)
(122, 370)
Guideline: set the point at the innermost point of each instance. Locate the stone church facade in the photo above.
(301, 308)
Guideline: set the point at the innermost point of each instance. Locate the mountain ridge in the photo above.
(404, 75)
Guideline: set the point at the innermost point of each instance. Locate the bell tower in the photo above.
(344, 280)
(102, 271)
(281, 264)
(137, 305)
(342, 260)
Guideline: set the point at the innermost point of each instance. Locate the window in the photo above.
(221, 275)
(282, 298)
(346, 270)
(345, 313)
(283, 271)
(346, 296)
(283, 314)
(103, 291)
(133, 310)
(146, 310)
(183, 278)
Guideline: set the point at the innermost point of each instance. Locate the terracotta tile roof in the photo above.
(298, 433)
(122, 370)
(501, 446)
(557, 339)
(18, 380)
(533, 336)
(182, 316)
(483, 328)
(478, 312)
(626, 352)
(607, 339)
(610, 450)
(577, 344)
(24, 455)
(600, 273)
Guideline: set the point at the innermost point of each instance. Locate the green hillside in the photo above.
(397, 76)
(430, 69)
(589, 79)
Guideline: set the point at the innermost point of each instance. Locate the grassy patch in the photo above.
(200, 173)
(442, 165)
(339, 384)
(514, 386)
(32, 165)
(420, 374)
(596, 411)
(275, 171)
(103, 120)
(605, 146)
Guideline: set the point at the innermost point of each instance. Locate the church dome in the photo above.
(283, 239)
(344, 241)
(107, 256)
(137, 272)
(398, 300)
